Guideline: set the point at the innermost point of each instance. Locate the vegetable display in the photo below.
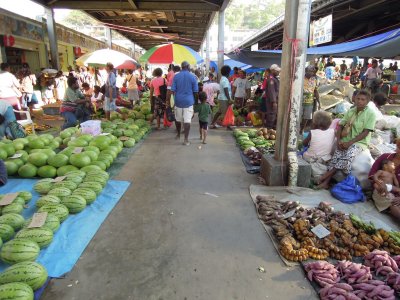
(324, 273)
(261, 139)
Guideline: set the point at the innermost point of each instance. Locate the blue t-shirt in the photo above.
(184, 85)
(224, 83)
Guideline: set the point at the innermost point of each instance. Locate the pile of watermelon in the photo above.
(22, 245)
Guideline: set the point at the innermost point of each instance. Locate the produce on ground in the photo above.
(262, 138)
(374, 289)
(324, 273)
(353, 272)
(339, 291)
(348, 235)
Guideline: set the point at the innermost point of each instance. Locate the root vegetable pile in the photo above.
(374, 290)
(381, 262)
(338, 291)
(353, 273)
(322, 272)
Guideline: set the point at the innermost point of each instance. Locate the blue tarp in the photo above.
(233, 63)
(76, 231)
(385, 45)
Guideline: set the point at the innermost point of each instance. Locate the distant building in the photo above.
(231, 38)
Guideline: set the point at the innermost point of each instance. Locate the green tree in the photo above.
(243, 14)
(78, 18)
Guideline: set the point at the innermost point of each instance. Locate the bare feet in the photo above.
(323, 186)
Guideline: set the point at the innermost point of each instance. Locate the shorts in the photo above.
(306, 112)
(109, 105)
(184, 114)
(203, 125)
(223, 107)
(133, 95)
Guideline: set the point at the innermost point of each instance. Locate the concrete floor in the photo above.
(167, 240)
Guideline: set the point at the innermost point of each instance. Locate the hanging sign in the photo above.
(321, 31)
(8, 40)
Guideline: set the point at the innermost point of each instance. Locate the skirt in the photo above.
(343, 159)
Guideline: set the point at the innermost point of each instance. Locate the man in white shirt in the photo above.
(241, 89)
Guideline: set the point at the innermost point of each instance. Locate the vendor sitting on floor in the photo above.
(73, 107)
(353, 136)
(380, 196)
(6, 116)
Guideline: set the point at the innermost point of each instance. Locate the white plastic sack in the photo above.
(361, 166)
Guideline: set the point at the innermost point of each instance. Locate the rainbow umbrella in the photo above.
(171, 53)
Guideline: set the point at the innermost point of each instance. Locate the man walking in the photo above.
(185, 91)
(272, 93)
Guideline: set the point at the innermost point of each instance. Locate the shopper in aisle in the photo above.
(185, 90)
(110, 94)
(158, 90)
(27, 81)
(211, 88)
(224, 96)
(9, 87)
(204, 111)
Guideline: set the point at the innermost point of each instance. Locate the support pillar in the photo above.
(221, 37)
(282, 125)
(51, 32)
(207, 52)
(295, 39)
(303, 17)
(108, 37)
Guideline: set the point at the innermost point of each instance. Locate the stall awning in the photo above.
(385, 45)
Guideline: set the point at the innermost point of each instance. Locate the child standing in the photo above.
(320, 142)
(204, 111)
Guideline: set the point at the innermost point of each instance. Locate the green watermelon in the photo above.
(3, 154)
(60, 192)
(129, 143)
(47, 199)
(110, 152)
(52, 222)
(75, 203)
(27, 196)
(16, 221)
(16, 290)
(43, 186)
(58, 160)
(6, 232)
(92, 154)
(42, 236)
(91, 168)
(12, 168)
(78, 173)
(19, 200)
(27, 171)
(95, 186)
(88, 194)
(18, 161)
(36, 144)
(12, 208)
(80, 160)
(74, 178)
(31, 273)
(65, 169)
(101, 142)
(100, 164)
(92, 148)
(19, 250)
(47, 172)
(60, 210)
(24, 156)
(103, 174)
(67, 184)
(9, 148)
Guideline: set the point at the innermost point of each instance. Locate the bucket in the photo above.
(92, 127)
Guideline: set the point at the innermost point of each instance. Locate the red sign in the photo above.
(8, 40)
(77, 51)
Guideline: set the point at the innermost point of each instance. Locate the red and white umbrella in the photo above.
(100, 58)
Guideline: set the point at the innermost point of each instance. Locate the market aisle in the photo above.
(167, 240)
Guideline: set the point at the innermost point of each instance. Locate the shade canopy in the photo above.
(171, 54)
(100, 58)
(385, 45)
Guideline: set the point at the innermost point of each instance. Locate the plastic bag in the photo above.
(167, 123)
(229, 119)
(256, 119)
(348, 191)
